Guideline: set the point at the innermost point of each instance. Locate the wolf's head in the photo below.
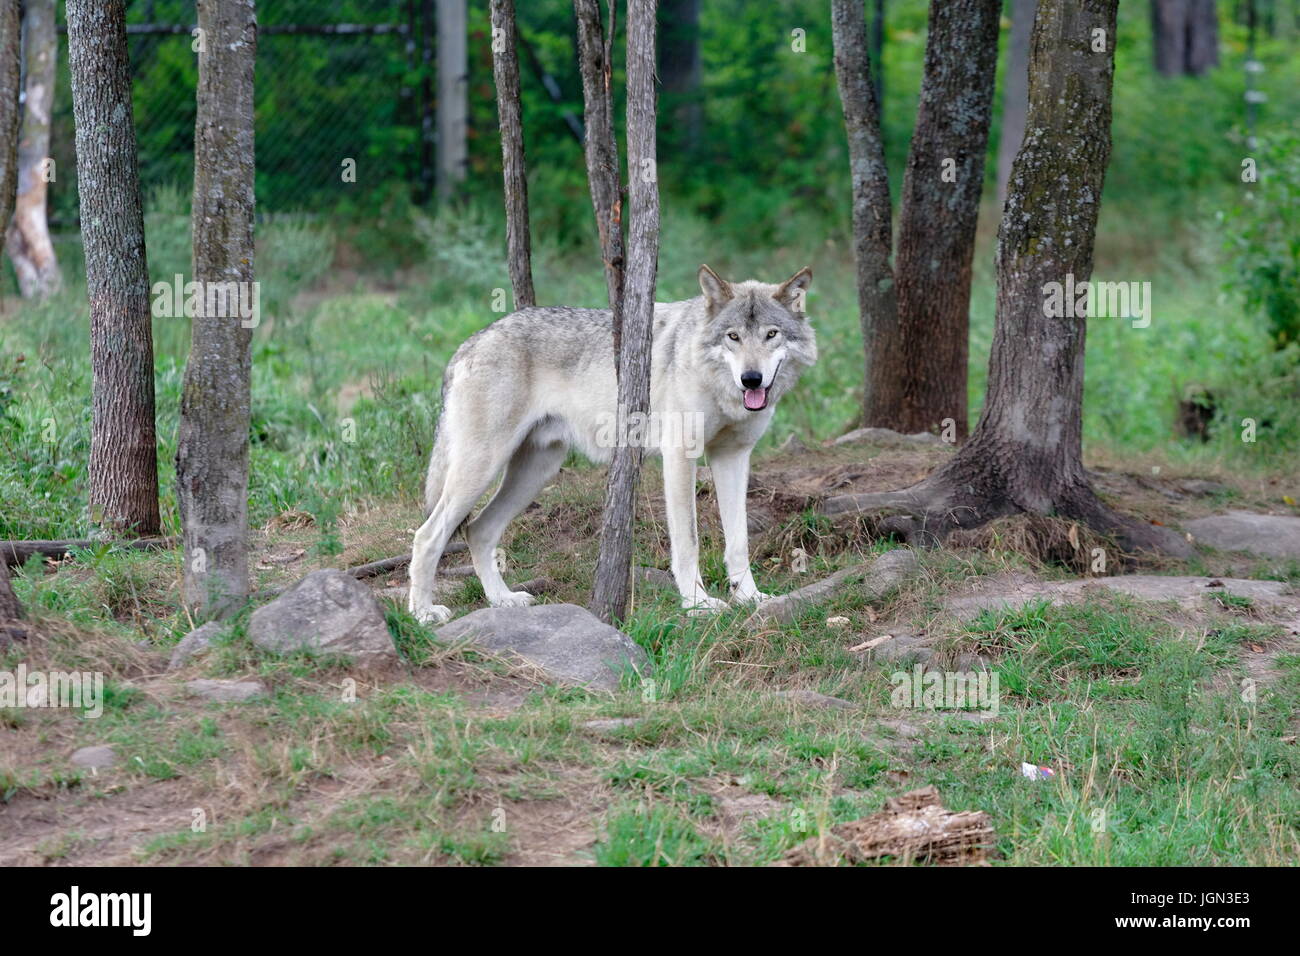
(759, 333)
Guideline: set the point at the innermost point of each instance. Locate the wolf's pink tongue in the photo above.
(755, 398)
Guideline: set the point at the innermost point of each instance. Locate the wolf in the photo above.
(518, 395)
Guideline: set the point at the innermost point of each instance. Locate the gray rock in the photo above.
(329, 612)
(194, 643)
(1190, 592)
(568, 643)
(226, 691)
(1272, 536)
(96, 758)
(1202, 486)
(810, 698)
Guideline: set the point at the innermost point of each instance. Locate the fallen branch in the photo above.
(878, 576)
(397, 562)
(16, 553)
(913, 828)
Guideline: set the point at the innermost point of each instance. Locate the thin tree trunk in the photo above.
(601, 147)
(28, 237)
(11, 612)
(940, 209)
(613, 567)
(10, 80)
(123, 449)
(872, 215)
(878, 56)
(679, 71)
(1169, 35)
(212, 445)
(1026, 452)
(1202, 37)
(453, 94)
(1015, 90)
(505, 70)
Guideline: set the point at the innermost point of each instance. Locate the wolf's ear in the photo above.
(791, 294)
(717, 290)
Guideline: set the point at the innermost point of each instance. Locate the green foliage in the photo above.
(1264, 241)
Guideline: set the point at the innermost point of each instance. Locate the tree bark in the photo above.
(10, 80)
(915, 313)
(679, 71)
(212, 444)
(1026, 452)
(453, 95)
(505, 70)
(600, 145)
(28, 237)
(872, 213)
(613, 567)
(1015, 90)
(940, 209)
(123, 449)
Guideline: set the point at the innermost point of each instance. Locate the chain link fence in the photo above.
(335, 81)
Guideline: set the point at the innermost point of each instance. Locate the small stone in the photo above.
(810, 698)
(95, 758)
(192, 644)
(838, 622)
(226, 691)
(607, 725)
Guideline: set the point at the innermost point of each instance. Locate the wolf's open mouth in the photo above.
(755, 399)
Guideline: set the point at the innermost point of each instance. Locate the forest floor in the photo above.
(1140, 707)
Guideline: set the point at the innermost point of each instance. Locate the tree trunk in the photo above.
(505, 70)
(878, 54)
(679, 71)
(28, 237)
(212, 445)
(453, 95)
(594, 49)
(915, 313)
(1026, 452)
(11, 611)
(123, 451)
(613, 567)
(940, 209)
(872, 215)
(10, 79)
(1015, 91)
(1184, 36)
(1202, 37)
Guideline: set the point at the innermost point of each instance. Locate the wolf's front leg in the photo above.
(730, 468)
(679, 500)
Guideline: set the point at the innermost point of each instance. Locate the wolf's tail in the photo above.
(437, 474)
(440, 458)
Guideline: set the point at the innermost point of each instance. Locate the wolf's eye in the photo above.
(733, 336)
(771, 333)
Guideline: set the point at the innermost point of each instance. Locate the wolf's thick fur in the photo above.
(523, 391)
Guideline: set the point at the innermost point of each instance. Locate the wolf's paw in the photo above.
(514, 599)
(750, 597)
(434, 614)
(703, 605)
